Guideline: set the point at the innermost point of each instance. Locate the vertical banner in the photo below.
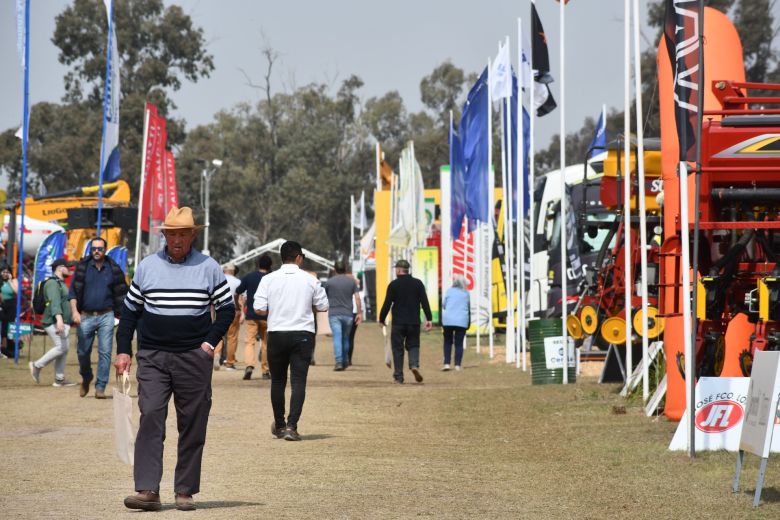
(681, 32)
(158, 188)
(446, 232)
(463, 264)
(109, 160)
(484, 233)
(52, 248)
(170, 174)
(153, 137)
(425, 266)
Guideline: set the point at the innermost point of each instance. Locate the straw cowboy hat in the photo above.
(180, 218)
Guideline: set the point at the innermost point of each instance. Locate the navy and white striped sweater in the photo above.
(170, 304)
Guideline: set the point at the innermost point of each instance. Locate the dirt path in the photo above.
(481, 443)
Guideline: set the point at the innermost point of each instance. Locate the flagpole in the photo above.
(351, 229)
(640, 163)
(489, 223)
(25, 141)
(506, 203)
(105, 114)
(141, 189)
(564, 275)
(509, 249)
(506, 119)
(362, 227)
(413, 178)
(527, 310)
(627, 281)
(520, 215)
(452, 239)
(696, 214)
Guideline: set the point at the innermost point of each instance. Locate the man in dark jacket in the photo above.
(96, 295)
(405, 295)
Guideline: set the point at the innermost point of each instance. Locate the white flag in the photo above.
(359, 213)
(411, 228)
(21, 37)
(501, 75)
(109, 164)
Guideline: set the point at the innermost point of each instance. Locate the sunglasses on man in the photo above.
(99, 248)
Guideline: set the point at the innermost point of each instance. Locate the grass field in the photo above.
(481, 443)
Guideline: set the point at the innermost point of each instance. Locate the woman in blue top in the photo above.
(456, 318)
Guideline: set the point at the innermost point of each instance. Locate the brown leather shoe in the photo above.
(184, 502)
(100, 393)
(144, 500)
(84, 388)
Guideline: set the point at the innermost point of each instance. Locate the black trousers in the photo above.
(404, 336)
(293, 350)
(186, 375)
(453, 336)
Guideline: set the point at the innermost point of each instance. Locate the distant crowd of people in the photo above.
(186, 313)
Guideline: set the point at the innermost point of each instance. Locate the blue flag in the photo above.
(52, 248)
(109, 151)
(119, 255)
(474, 139)
(599, 143)
(457, 185)
(512, 134)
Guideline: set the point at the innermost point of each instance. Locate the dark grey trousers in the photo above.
(186, 375)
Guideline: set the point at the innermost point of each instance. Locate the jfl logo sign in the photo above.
(719, 416)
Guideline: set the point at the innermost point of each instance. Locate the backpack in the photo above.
(39, 299)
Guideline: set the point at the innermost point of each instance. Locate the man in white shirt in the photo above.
(288, 296)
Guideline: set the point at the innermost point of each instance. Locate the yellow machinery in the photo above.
(54, 208)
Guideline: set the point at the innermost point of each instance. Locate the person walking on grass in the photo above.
(96, 295)
(232, 334)
(255, 324)
(169, 303)
(342, 291)
(288, 296)
(456, 319)
(405, 295)
(56, 321)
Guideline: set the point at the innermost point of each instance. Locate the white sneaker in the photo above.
(445, 368)
(457, 367)
(35, 372)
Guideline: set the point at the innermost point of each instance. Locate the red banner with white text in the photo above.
(172, 199)
(152, 203)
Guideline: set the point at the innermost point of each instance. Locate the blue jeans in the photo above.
(341, 326)
(102, 326)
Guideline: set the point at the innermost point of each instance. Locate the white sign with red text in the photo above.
(719, 415)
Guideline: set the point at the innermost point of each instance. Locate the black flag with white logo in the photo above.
(681, 32)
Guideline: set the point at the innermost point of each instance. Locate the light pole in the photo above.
(206, 180)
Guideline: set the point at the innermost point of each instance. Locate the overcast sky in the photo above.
(390, 45)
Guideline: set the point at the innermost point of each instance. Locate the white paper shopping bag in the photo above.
(124, 431)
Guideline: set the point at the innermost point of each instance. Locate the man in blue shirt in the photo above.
(96, 295)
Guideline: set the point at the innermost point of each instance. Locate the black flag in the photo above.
(681, 32)
(539, 49)
(543, 98)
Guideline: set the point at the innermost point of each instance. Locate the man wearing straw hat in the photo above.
(173, 291)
